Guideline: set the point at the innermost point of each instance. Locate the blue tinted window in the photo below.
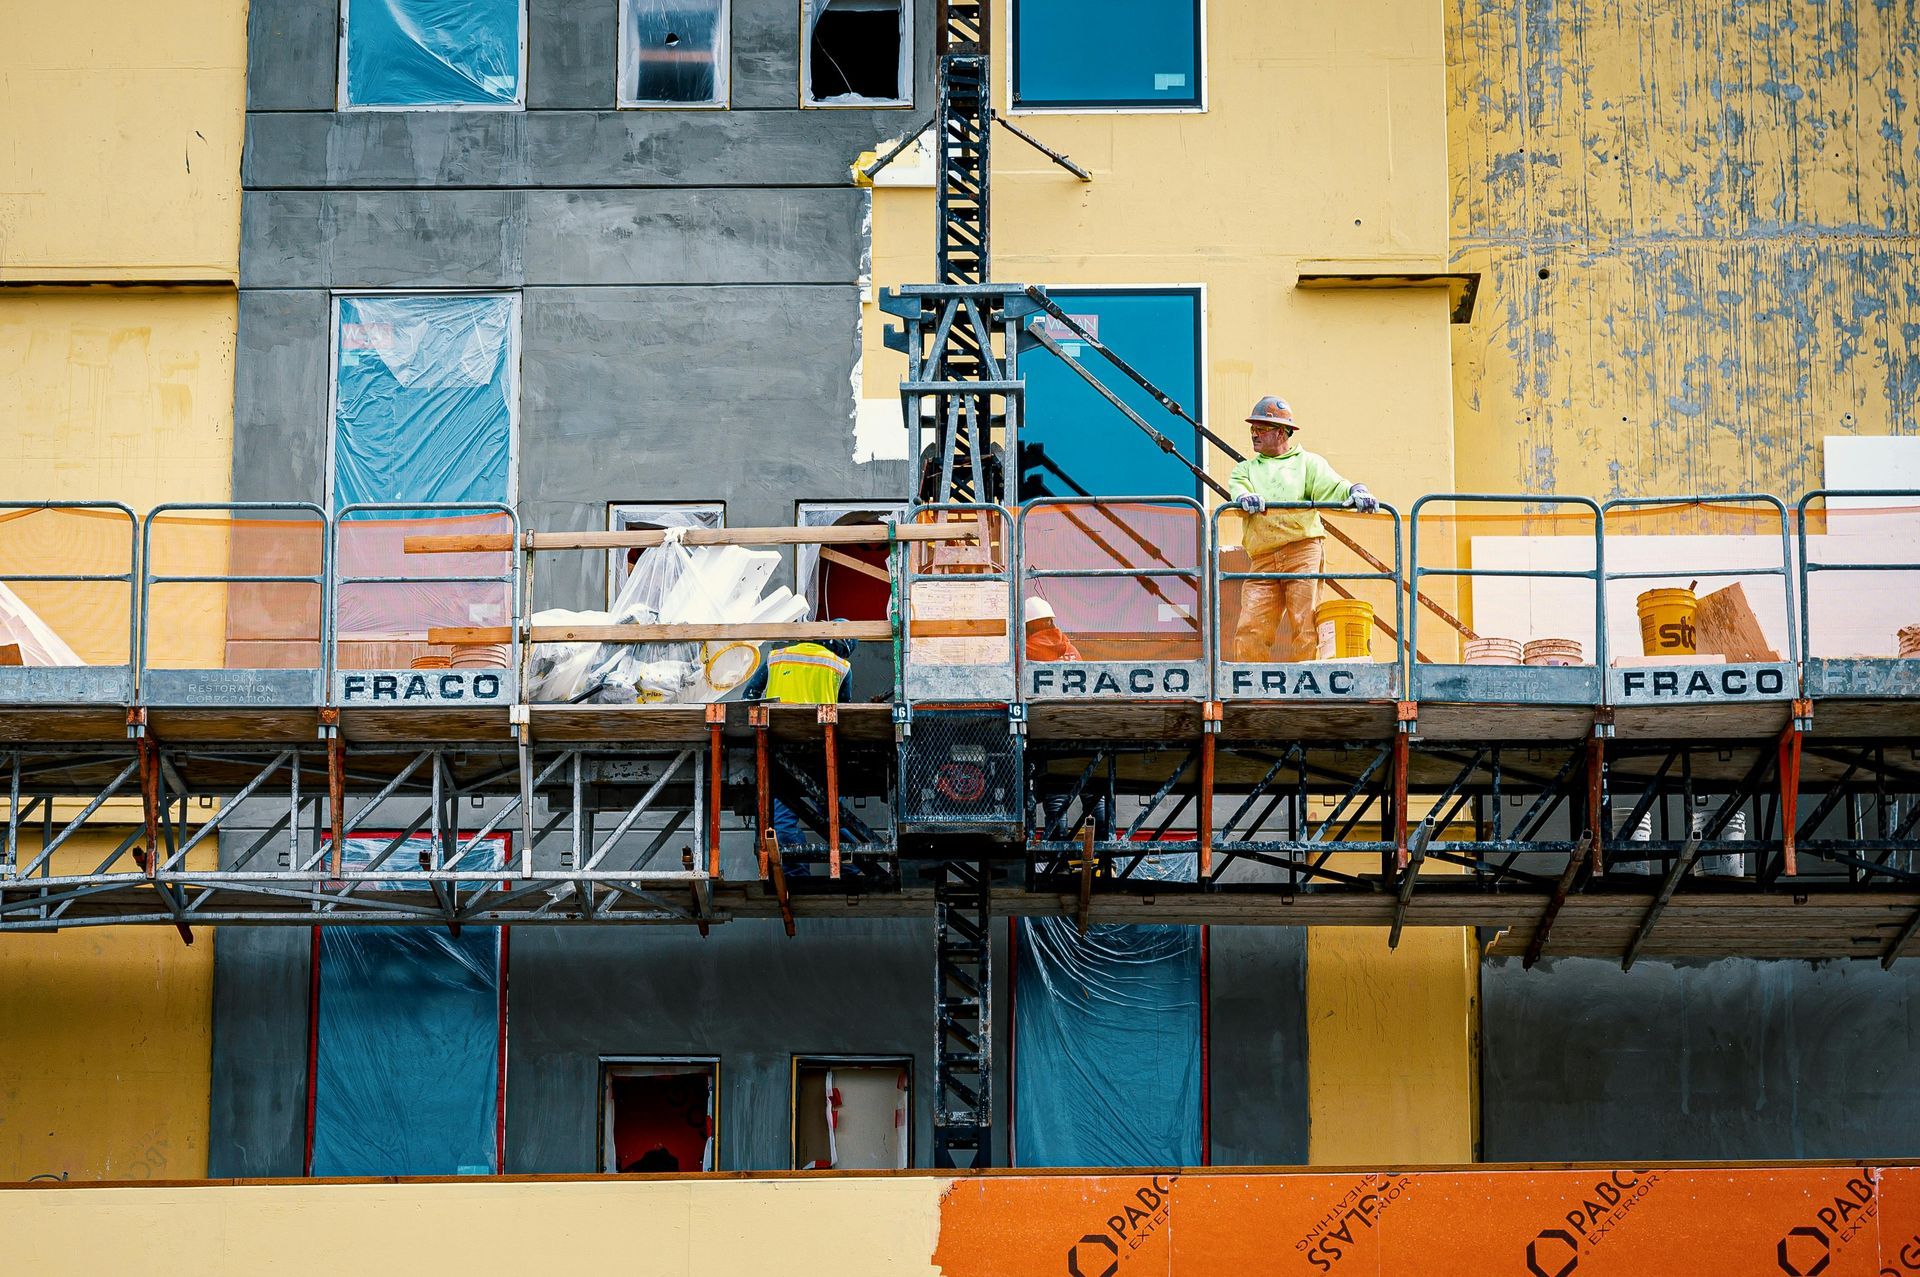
(1073, 441)
(433, 52)
(1106, 53)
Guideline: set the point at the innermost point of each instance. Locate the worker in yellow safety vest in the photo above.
(1285, 541)
(800, 674)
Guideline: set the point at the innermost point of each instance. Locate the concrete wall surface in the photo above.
(1725, 1059)
(1694, 223)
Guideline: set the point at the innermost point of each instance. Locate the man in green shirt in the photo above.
(1283, 540)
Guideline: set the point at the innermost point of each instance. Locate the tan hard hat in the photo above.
(1272, 411)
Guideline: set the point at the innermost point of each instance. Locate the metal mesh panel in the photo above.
(960, 769)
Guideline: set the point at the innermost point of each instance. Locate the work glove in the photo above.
(1252, 503)
(1362, 500)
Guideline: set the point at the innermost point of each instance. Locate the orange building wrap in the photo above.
(1834, 1221)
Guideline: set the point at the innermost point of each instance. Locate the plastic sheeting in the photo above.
(407, 1059)
(433, 52)
(1107, 1041)
(671, 584)
(424, 392)
(673, 51)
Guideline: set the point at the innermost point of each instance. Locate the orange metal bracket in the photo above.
(758, 718)
(1405, 713)
(1596, 800)
(829, 717)
(716, 776)
(1790, 784)
(336, 787)
(1210, 715)
(150, 800)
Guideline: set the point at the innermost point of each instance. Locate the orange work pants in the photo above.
(1263, 604)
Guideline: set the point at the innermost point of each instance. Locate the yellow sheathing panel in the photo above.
(106, 1055)
(121, 158)
(1390, 1055)
(117, 396)
(1696, 225)
(677, 1228)
(1325, 140)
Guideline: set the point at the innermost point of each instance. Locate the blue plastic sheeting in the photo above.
(433, 52)
(1106, 1033)
(1106, 53)
(1107, 1045)
(424, 391)
(1089, 444)
(407, 1062)
(408, 1070)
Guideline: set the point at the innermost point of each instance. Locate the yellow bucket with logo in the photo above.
(1345, 627)
(1666, 622)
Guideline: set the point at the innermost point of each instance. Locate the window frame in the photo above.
(1011, 80)
(337, 295)
(616, 559)
(604, 1075)
(799, 1058)
(342, 103)
(723, 68)
(806, 559)
(1203, 448)
(909, 77)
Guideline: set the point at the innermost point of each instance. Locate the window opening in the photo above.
(852, 1113)
(673, 52)
(857, 53)
(832, 584)
(645, 516)
(427, 54)
(658, 1115)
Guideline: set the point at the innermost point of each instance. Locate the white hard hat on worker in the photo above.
(1279, 488)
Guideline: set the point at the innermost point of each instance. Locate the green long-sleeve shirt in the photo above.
(1294, 475)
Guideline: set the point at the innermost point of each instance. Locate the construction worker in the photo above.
(801, 674)
(1046, 641)
(1283, 540)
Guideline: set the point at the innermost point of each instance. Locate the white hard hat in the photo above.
(1036, 609)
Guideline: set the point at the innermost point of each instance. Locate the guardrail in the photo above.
(422, 685)
(1184, 592)
(221, 685)
(1446, 681)
(77, 684)
(1142, 560)
(1232, 674)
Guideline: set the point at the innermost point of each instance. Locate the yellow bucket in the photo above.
(1346, 628)
(1666, 622)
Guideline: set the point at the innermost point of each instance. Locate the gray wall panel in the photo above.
(1728, 1059)
(563, 148)
(259, 1094)
(572, 53)
(293, 55)
(1258, 1052)
(747, 994)
(499, 238)
(280, 396)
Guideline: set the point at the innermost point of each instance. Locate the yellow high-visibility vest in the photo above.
(805, 674)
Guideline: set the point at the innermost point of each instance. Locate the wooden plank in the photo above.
(856, 534)
(793, 632)
(1724, 623)
(10, 654)
(858, 565)
(979, 627)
